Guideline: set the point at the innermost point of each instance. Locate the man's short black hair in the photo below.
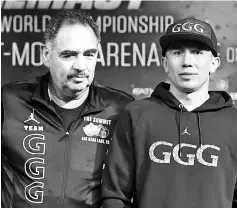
(69, 17)
(181, 43)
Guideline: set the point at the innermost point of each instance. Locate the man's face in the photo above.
(72, 58)
(188, 64)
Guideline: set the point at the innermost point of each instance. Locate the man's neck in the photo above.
(69, 103)
(191, 100)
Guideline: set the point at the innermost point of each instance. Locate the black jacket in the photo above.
(46, 165)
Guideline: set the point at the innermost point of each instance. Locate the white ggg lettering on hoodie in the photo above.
(191, 157)
(34, 144)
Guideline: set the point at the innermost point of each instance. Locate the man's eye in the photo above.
(197, 52)
(66, 56)
(90, 55)
(177, 52)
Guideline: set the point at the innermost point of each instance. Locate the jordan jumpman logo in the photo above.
(31, 117)
(186, 131)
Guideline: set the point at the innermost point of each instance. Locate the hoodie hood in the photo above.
(218, 99)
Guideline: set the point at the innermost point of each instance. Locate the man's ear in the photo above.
(164, 63)
(215, 64)
(45, 53)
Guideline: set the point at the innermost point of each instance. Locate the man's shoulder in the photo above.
(113, 95)
(232, 112)
(21, 87)
(148, 103)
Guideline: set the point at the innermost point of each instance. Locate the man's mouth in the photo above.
(78, 75)
(187, 73)
(81, 76)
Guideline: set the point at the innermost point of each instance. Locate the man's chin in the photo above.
(80, 87)
(187, 89)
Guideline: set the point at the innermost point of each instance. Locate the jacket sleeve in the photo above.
(7, 185)
(118, 175)
(6, 170)
(234, 204)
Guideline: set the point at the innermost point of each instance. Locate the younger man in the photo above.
(177, 148)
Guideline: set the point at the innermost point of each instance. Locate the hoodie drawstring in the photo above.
(180, 126)
(180, 122)
(199, 129)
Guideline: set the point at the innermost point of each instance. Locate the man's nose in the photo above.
(79, 63)
(187, 59)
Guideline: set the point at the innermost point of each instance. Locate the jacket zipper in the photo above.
(66, 138)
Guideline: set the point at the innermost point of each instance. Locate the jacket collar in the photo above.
(94, 102)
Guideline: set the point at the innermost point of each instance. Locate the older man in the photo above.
(56, 128)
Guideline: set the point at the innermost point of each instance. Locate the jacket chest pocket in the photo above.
(87, 154)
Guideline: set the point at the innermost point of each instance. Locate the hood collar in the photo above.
(217, 99)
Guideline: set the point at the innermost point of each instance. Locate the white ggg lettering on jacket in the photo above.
(39, 148)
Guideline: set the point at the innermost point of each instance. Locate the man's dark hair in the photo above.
(179, 44)
(69, 17)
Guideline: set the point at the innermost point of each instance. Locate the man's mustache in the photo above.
(78, 74)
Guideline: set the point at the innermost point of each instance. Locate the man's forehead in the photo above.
(70, 49)
(75, 37)
(75, 30)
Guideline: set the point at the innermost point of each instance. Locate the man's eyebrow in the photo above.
(66, 52)
(93, 50)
